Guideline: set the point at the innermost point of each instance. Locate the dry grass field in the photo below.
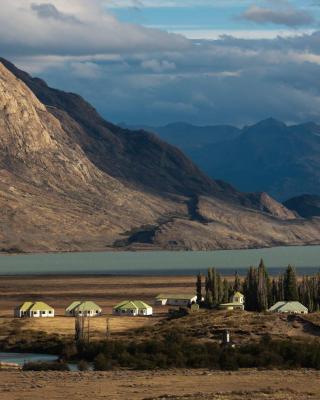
(161, 385)
(107, 291)
(59, 291)
(149, 385)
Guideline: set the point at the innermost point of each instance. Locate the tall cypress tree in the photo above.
(199, 288)
(237, 283)
(208, 296)
(225, 298)
(250, 290)
(290, 285)
(274, 292)
(214, 287)
(280, 288)
(262, 287)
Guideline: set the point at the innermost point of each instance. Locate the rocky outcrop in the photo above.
(70, 181)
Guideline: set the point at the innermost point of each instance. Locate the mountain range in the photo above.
(306, 205)
(71, 181)
(268, 156)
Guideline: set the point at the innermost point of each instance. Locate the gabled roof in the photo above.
(83, 306)
(238, 294)
(25, 306)
(73, 305)
(40, 306)
(87, 306)
(176, 296)
(132, 305)
(288, 306)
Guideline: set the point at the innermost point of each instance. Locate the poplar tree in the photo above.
(214, 287)
(237, 283)
(262, 288)
(250, 290)
(290, 285)
(199, 288)
(225, 298)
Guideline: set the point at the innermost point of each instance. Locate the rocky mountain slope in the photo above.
(306, 206)
(71, 181)
(269, 156)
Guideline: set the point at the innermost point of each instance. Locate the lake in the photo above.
(21, 358)
(305, 258)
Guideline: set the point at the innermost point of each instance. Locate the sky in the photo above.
(154, 62)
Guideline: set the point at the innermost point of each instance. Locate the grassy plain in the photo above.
(107, 291)
(161, 385)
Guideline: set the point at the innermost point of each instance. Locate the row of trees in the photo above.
(260, 291)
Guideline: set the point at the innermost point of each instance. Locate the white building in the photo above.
(38, 309)
(290, 307)
(132, 308)
(182, 300)
(236, 304)
(83, 309)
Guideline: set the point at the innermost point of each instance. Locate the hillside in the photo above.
(306, 206)
(270, 156)
(72, 181)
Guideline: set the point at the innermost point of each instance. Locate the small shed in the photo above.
(37, 309)
(83, 309)
(289, 307)
(132, 308)
(182, 300)
(236, 304)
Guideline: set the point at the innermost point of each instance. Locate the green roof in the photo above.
(288, 306)
(87, 306)
(25, 306)
(132, 305)
(83, 306)
(73, 305)
(40, 306)
(176, 296)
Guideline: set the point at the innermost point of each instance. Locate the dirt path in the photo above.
(175, 384)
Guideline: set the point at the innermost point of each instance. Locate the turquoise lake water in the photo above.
(305, 258)
(21, 358)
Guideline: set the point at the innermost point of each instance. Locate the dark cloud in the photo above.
(47, 10)
(141, 75)
(224, 81)
(285, 15)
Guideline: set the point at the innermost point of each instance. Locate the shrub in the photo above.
(83, 365)
(102, 363)
(45, 366)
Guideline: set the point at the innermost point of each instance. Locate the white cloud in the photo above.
(27, 27)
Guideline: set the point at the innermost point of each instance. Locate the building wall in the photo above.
(180, 302)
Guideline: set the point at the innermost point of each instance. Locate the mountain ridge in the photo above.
(86, 184)
(282, 160)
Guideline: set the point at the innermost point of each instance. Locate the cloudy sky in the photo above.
(159, 61)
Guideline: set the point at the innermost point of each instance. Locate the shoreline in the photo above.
(151, 250)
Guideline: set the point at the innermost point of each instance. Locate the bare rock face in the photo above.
(70, 181)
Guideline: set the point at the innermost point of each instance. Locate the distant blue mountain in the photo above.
(268, 156)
